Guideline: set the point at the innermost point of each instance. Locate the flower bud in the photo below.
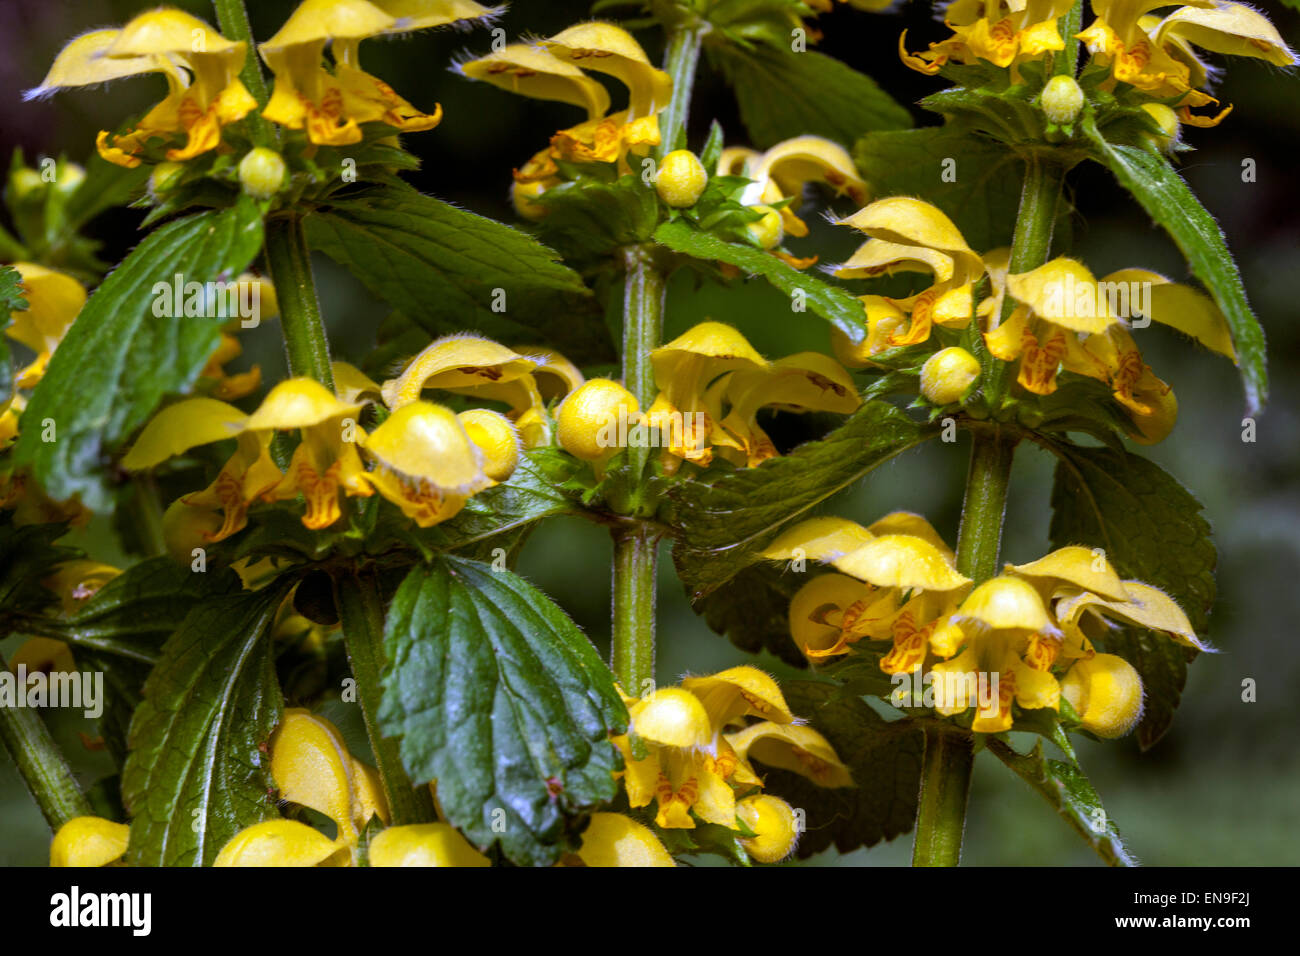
(588, 421)
(186, 527)
(163, 179)
(423, 844)
(496, 438)
(613, 839)
(773, 822)
(1106, 692)
(522, 196)
(681, 179)
(1062, 100)
(1153, 428)
(69, 177)
(89, 841)
(947, 374)
(24, 182)
(261, 172)
(1167, 120)
(768, 231)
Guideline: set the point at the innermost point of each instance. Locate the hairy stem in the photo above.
(945, 787)
(634, 608)
(361, 613)
(232, 18)
(680, 59)
(41, 765)
(289, 260)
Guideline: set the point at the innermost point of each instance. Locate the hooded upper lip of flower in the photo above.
(1002, 32)
(1155, 54)
(332, 106)
(782, 172)
(551, 69)
(910, 235)
(202, 70)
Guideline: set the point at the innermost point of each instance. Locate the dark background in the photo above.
(1224, 786)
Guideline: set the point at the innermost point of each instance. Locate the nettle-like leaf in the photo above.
(722, 522)
(834, 304)
(133, 614)
(1071, 794)
(974, 181)
(884, 757)
(1152, 530)
(586, 219)
(1156, 185)
(752, 611)
(119, 359)
(782, 94)
(447, 270)
(499, 697)
(196, 775)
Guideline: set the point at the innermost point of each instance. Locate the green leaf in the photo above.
(1171, 203)
(442, 266)
(783, 94)
(499, 697)
(721, 524)
(119, 359)
(11, 300)
(1071, 794)
(884, 757)
(589, 218)
(832, 303)
(1152, 530)
(528, 495)
(28, 554)
(196, 775)
(752, 611)
(133, 614)
(981, 195)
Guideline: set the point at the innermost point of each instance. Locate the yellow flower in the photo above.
(684, 370)
(1059, 303)
(791, 747)
(200, 65)
(806, 382)
(553, 70)
(783, 171)
(426, 463)
(423, 844)
(898, 575)
(612, 839)
(1155, 54)
(281, 843)
(332, 106)
(526, 379)
(311, 767)
(908, 235)
(89, 841)
(694, 770)
(53, 301)
(1002, 32)
(590, 421)
(1106, 692)
(44, 655)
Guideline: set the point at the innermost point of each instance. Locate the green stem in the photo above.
(945, 787)
(643, 310)
(1036, 220)
(361, 614)
(634, 608)
(979, 540)
(232, 18)
(289, 260)
(42, 765)
(680, 59)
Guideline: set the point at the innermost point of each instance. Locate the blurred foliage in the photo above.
(1220, 788)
